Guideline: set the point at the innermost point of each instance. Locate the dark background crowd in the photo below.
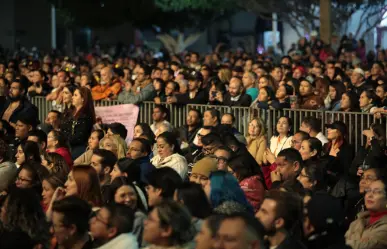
(71, 181)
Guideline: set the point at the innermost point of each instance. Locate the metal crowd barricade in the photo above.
(356, 122)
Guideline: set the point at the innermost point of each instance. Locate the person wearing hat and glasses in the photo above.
(194, 95)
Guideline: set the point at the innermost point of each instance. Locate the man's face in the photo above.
(156, 74)
(52, 119)
(305, 128)
(232, 235)
(193, 85)
(135, 150)
(157, 115)
(165, 75)
(296, 141)
(226, 119)
(153, 231)
(192, 118)
(99, 226)
(96, 163)
(105, 76)
(22, 130)
(194, 58)
(222, 157)
(154, 195)
(141, 77)
(208, 120)
(61, 232)
(277, 74)
(267, 216)
(61, 77)
(36, 77)
(286, 169)
(234, 88)
(15, 90)
(205, 74)
(356, 78)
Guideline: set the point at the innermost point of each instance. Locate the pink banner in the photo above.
(125, 114)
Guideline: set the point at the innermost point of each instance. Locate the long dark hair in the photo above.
(61, 138)
(24, 212)
(88, 104)
(38, 172)
(123, 181)
(192, 195)
(31, 151)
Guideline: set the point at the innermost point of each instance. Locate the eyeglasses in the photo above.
(100, 219)
(368, 179)
(22, 179)
(295, 142)
(375, 191)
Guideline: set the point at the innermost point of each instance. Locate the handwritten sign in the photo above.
(125, 114)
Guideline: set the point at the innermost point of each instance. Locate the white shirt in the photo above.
(276, 146)
(322, 138)
(174, 161)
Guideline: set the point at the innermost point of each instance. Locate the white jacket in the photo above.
(174, 161)
(122, 241)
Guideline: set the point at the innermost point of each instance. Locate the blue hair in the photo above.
(225, 187)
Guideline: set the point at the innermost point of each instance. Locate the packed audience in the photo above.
(70, 181)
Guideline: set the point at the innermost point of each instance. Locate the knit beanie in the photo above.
(205, 166)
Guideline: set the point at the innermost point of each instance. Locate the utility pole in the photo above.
(325, 21)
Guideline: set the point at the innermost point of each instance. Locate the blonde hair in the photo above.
(225, 75)
(261, 125)
(119, 145)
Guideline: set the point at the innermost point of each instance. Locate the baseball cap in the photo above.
(195, 75)
(338, 125)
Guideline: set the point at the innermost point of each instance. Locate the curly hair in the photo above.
(24, 212)
(59, 168)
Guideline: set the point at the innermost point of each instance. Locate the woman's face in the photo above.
(137, 131)
(345, 102)
(93, 141)
(48, 192)
(24, 179)
(204, 238)
(332, 134)
(332, 92)
(331, 73)
(304, 179)
(375, 197)
(126, 195)
(108, 144)
(156, 85)
(84, 80)
(366, 179)
(305, 151)
(71, 185)
(55, 81)
(297, 74)
(51, 141)
(116, 172)
(262, 83)
(67, 96)
(283, 126)
(380, 92)
(254, 128)
(163, 148)
(263, 96)
(364, 100)
(281, 92)
(305, 88)
(20, 157)
(77, 99)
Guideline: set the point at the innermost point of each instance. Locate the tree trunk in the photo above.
(325, 21)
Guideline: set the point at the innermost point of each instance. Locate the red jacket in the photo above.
(266, 173)
(254, 191)
(65, 153)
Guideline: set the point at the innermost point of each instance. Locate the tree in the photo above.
(299, 14)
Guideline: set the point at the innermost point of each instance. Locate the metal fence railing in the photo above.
(356, 122)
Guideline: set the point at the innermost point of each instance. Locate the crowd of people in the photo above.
(70, 181)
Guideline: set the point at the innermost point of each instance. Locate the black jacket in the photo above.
(77, 131)
(244, 100)
(200, 98)
(327, 241)
(25, 108)
(290, 243)
(374, 156)
(186, 135)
